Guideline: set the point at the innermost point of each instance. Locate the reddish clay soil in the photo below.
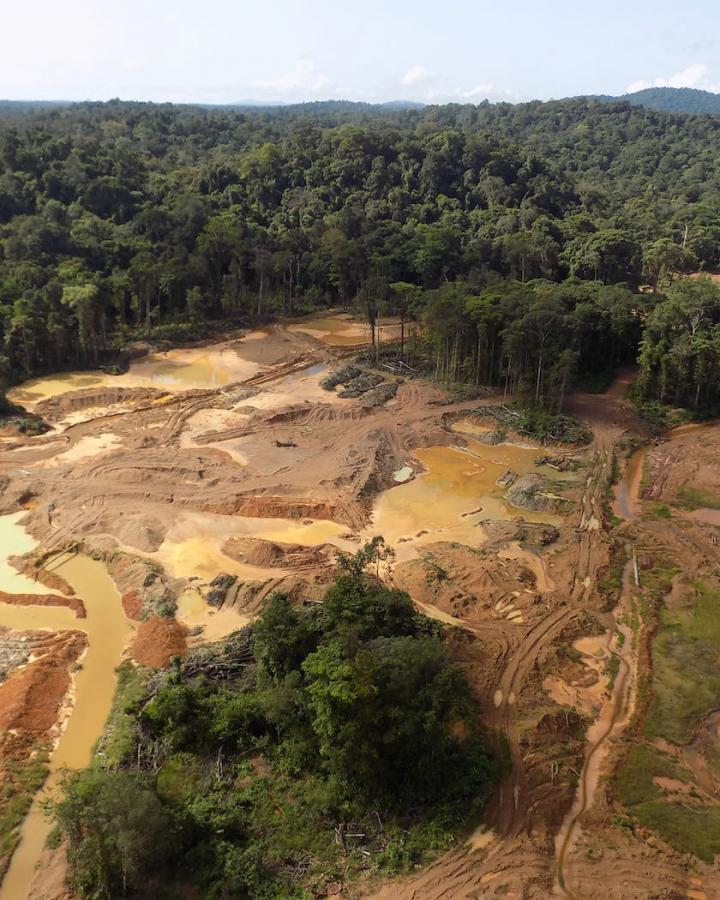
(132, 604)
(157, 641)
(73, 603)
(31, 696)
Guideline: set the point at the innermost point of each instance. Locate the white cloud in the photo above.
(306, 76)
(694, 76)
(479, 91)
(416, 74)
(487, 91)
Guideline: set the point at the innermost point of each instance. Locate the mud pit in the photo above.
(167, 472)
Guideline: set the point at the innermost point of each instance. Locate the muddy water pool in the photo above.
(193, 546)
(457, 490)
(176, 370)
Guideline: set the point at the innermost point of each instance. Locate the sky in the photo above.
(278, 51)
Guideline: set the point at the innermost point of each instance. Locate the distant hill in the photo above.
(683, 100)
(665, 99)
(25, 107)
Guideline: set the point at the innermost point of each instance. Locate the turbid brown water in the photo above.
(457, 491)
(93, 684)
(175, 370)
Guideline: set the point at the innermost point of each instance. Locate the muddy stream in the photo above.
(93, 684)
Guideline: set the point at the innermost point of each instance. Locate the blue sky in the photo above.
(221, 51)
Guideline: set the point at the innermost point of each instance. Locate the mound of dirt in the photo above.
(158, 640)
(141, 531)
(531, 492)
(507, 479)
(462, 582)
(360, 385)
(132, 605)
(54, 408)
(31, 696)
(156, 592)
(499, 532)
(268, 554)
(219, 587)
(527, 493)
(266, 507)
(381, 394)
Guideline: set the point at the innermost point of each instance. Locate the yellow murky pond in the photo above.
(205, 367)
(93, 684)
(193, 546)
(457, 491)
(14, 541)
(344, 331)
(193, 611)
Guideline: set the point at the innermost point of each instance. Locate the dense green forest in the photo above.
(326, 740)
(518, 235)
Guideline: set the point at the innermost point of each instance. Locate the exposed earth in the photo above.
(203, 480)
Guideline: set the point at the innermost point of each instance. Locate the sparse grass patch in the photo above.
(609, 583)
(691, 498)
(689, 829)
(686, 676)
(613, 667)
(661, 511)
(435, 572)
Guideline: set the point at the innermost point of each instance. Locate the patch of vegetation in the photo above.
(661, 511)
(546, 426)
(688, 828)
(691, 498)
(22, 782)
(326, 740)
(686, 677)
(613, 667)
(118, 740)
(434, 571)
(653, 413)
(609, 584)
